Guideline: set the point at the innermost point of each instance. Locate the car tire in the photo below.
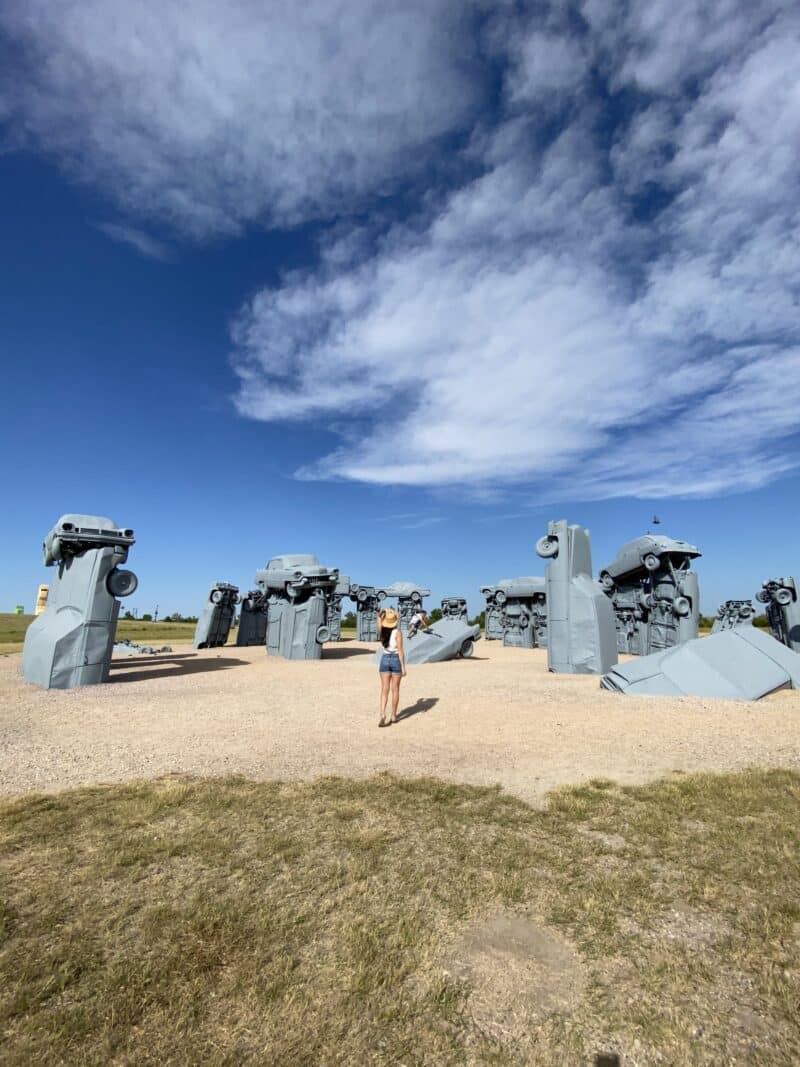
(783, 597)
(215, 596)
(467, 648)
(361, 596)
(547, 547)
(416, 598)
(323, 634)
(682, 606)
(763, 597)
(607, 582)
(121, 583)
(651, 562)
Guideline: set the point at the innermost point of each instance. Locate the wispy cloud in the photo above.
(411, 520)
(609, 307)
(596, 294)
(423, 523)
(138, 239)
(212, 115)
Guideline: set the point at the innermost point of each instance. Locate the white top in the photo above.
(392, 646)
(416, 619)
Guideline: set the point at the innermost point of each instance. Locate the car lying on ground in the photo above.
(445, 639)
(742, 663)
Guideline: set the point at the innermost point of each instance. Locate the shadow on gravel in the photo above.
(343, 653)
(169, 667)
(422, 705)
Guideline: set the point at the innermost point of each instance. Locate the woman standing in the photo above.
(393, 662)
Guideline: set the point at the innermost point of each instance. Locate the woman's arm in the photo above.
(401, 652)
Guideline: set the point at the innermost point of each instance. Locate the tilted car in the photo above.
(645, 555)
(442, 640)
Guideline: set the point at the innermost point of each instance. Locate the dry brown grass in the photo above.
(224, 921)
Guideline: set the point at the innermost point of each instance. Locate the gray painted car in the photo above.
(645, 555)
(442, 640)
(733, 613)
(779, 595)
(70, 642)
(742, 663)
(293, 575)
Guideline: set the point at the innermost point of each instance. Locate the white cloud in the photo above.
(610, 311)
(210, 114)
(607, 303)
(143, 243)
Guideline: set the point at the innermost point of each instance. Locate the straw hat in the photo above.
(389, 618)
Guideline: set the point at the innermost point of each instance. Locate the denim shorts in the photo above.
(390, 664)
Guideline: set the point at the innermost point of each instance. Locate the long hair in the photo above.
(386, 633)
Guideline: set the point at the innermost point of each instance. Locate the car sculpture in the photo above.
(644, 556)
(454, 607)
(654, 594)
(367, 600)
(779, 595)
(442, 640)
(409, 600)
(733, 613)
(516, 612)
(215, 620)
(292, 576)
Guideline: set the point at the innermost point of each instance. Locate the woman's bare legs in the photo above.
(384, 695)
(396, 679)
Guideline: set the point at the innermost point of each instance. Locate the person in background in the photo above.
(392, 667)
(418, 621)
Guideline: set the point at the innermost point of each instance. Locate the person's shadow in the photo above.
(423, 704)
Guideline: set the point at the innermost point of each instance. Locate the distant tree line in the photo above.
(147, 617)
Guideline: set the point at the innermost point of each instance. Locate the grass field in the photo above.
(13, 627)
(391, 921)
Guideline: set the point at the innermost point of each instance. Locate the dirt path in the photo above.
(497, 718)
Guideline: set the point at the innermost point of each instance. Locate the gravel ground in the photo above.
(497, 718)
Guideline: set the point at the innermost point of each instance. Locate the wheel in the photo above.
(121, 583)
(500, 597)
(467, 648)
(763, 597)
(783, 597)
(216, 596)
(323, 634)
(651, 562)
(361, 596)
(416, 598)
(547, 547)
(381, 594)
(682, 606)
(606, 581)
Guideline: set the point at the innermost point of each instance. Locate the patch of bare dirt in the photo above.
(520, 972)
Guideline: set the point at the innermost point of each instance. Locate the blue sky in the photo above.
(397, 283)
